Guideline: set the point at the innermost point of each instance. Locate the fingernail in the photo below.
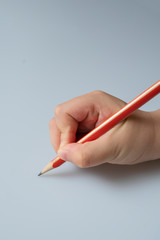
(63, 154)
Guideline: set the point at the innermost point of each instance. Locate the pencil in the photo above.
(111, 121)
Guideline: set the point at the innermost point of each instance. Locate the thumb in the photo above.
(88, 154)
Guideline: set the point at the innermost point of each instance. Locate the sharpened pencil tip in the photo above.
(40, 174)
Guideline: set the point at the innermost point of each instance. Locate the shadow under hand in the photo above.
(123, 173)
(112, 172)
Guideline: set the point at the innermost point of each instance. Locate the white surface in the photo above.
(51, 51)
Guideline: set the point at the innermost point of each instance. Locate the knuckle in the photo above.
(58, 109)
(83, 161)
(82, 164)
(98, 92)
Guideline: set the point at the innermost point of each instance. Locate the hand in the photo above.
(129, 142)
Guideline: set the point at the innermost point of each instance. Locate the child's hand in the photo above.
(132, 141)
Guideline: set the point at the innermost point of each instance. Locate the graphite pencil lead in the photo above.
(40, 174)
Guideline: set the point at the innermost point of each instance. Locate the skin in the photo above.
(134, 140)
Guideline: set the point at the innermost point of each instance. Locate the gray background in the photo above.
(50, 52)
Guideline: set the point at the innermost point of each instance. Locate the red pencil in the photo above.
(111, 121)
